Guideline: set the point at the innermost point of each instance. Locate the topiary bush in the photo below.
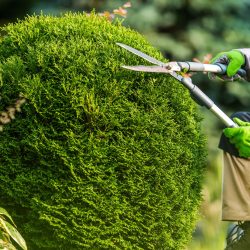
(99, 157)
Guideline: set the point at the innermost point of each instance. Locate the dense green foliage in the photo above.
(99, 157)
(182, 30)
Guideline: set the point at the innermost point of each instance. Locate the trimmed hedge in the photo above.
(99, 157)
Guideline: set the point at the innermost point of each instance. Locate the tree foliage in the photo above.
(98, 157)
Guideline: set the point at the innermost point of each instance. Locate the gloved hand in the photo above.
(234, 59)
(240, 137)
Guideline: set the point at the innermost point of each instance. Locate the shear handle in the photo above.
(203, 100)
(241, 72)
(217, 68)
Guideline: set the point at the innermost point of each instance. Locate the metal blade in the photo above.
(155, 69)
(141, 54)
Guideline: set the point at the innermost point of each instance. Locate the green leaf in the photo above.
(14, 234)
(5, 213)
(6, 245)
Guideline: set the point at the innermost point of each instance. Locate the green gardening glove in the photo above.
(234, 59)
(240, 137)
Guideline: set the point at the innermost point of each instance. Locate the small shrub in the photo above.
(99, 157)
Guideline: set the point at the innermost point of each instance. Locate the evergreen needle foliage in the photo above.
(99, 157)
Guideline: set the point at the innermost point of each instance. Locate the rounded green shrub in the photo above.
(99, 157)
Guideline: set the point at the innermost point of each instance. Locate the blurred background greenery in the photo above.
(182, 30)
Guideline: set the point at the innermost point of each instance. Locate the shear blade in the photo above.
(155, 69)
(141, 54)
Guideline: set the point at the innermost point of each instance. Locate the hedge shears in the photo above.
(172, 67)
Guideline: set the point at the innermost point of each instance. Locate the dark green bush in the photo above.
(99, 157)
